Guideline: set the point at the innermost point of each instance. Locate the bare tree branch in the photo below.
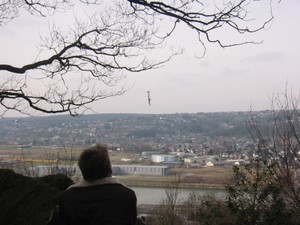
(10, 9)
(279, 144)
(204, 17)
(100, 50)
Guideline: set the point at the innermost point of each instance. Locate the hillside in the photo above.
(135, 131)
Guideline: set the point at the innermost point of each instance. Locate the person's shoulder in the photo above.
(126, 189)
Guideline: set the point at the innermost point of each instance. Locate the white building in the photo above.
(163, 158)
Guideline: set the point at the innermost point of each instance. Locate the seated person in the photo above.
(98, 198)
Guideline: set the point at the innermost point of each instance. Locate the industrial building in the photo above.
(141, 170)
(43, 170)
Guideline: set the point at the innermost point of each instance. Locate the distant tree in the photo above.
(99, 50)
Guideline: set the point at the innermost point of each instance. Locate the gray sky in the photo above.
(231, 79)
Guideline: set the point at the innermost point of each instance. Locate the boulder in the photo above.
(27, 200)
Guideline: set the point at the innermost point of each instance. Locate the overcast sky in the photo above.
(231, 79)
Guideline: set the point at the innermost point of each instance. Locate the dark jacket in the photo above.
(102, 202)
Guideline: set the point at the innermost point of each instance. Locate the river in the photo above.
(154, 195)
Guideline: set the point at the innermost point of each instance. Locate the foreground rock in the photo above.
(26, 200)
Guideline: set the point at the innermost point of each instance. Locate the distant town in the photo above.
(196, 139)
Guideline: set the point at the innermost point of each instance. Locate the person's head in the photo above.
(94, 163)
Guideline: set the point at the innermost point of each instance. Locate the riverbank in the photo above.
(155, 195)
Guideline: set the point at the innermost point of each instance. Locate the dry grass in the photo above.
(210, 176)
(206, 177)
